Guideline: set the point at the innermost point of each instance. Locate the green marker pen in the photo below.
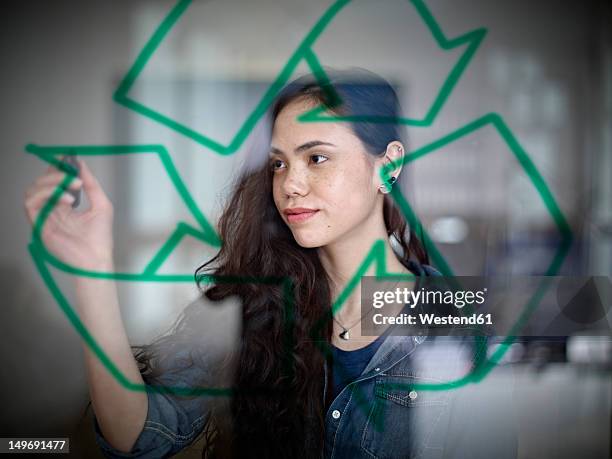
(72, 160)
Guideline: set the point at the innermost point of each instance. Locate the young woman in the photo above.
(303, 383)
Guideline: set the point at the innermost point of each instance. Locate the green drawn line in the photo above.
(560, 222)
(483, 366)
(38, 256)
(207, 234)
(304, 52)
(377, 253)
(152, 45)
(471, 39)
(73, 318)
(182, 229)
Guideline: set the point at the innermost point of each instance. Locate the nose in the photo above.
(295, 182)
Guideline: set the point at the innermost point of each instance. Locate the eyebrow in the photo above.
(303, 147)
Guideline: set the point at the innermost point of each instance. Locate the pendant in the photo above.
(345, 335)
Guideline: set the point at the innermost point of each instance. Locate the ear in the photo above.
(390, 165)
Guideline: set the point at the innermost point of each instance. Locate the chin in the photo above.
(309, 241)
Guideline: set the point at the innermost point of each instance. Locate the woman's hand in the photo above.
(83, 239)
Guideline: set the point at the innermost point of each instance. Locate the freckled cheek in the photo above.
(276, 194)
(331, 191)
(343, 200)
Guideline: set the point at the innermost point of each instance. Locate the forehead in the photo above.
(288, 131)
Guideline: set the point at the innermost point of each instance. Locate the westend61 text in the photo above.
(432, 319)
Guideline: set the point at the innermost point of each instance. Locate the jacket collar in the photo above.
(391, 351)
(394, 348)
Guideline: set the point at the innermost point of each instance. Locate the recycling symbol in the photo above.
(464, 47)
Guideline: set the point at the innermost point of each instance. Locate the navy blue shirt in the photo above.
(348, 365)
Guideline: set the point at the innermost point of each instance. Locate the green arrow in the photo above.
(304, 52)
(205, 233)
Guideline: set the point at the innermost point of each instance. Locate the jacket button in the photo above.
(335, 414)
(412, 394)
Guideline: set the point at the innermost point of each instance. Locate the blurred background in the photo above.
(545, 68)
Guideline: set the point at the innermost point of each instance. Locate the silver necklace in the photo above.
(345, 333)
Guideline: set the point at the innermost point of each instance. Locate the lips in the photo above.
(299, 214)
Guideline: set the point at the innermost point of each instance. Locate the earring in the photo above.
(387, 189)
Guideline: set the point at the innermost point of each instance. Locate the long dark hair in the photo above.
(278, 404)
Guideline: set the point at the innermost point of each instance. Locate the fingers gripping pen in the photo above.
(72, 161)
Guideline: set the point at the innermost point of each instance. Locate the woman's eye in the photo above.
(318, 159)
(276, 164)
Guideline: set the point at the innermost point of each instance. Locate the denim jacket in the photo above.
(398, 408)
